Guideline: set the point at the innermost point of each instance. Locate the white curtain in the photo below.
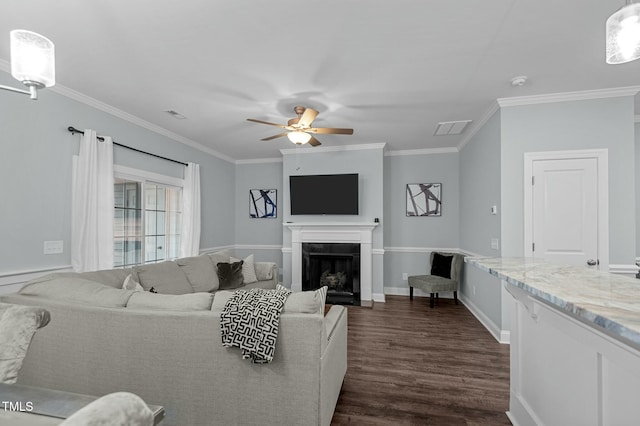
(190, 232)
(92, 205)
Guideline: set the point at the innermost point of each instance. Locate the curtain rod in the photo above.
(74, 131)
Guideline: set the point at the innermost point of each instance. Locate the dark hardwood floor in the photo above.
(409, 364)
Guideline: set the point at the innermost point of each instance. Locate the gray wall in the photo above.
(35, 167)
(368, 163)
(479, 190)
(407, 239)
(587, 124)
(262, 237)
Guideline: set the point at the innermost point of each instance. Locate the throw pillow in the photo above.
(248, 269)
(441, 265)
(230, 275)
(131, 284)
(321, 294)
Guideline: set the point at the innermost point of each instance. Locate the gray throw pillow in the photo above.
(230, 275)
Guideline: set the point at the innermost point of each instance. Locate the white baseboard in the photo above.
(501, 336)
(628, 270)
(377, 297)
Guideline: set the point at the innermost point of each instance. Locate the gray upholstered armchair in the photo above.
(446, 269)
(18, 324)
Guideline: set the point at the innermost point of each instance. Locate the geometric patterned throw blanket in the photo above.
(250, 320)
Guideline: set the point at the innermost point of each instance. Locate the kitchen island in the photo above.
(575, 343)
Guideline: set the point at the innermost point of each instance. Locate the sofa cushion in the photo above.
(111, 277)
(165, 277)
(230, 275)
(264, 270)
(78, 290)
(131, 284)
(200, 272)
(171, 302)
(248, 269)
(304, 302)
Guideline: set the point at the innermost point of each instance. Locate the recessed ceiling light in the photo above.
(175, 114)
(451, 127)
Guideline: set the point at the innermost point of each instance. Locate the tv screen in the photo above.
(324, 194)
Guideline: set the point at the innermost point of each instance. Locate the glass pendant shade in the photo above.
(299, 137)
(623, 35)
(32, 59)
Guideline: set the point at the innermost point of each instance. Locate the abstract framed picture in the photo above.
(424, 199)
(263, 203)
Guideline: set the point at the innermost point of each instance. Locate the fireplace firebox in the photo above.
(335, 265)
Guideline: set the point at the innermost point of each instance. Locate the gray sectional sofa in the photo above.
(166, 347)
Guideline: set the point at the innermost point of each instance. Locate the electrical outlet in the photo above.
(53, 247)
(405, 276)
(495, 243)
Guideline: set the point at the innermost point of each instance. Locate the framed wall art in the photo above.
(263, 203)
(424, 199)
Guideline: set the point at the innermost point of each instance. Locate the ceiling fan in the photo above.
(300, 130)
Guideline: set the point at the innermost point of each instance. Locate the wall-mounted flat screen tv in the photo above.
(324, 194)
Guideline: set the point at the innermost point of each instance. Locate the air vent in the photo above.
(451, 127)
(175, 114)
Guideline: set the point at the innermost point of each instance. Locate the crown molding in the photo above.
(77, 96)
(424, 151)
(569, 96)
(290, 151)
(477, 125)
(94, 103)
(259, 161)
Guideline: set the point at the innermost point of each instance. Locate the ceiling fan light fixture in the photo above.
(298, 137)
(623, 34)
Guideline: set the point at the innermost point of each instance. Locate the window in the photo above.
(147, 216)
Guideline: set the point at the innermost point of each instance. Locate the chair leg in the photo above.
(437, 298)
(431, 301)
(455, 296)
(410, 293)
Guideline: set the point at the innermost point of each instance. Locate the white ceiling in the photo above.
(389, 69)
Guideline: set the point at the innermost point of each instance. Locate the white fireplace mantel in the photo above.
(334, 232)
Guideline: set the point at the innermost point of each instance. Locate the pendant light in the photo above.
(623, 34)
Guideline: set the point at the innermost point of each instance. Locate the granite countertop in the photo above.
(608, 301)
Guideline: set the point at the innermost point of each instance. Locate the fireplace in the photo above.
(335, 265)
(333, 232)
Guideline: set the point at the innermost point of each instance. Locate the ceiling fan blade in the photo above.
(265, 122)
(329, 131)
(314, 142)
(307, 117)
(274, 136)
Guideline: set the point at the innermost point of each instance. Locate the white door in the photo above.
(565, 211)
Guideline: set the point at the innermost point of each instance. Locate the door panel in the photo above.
(565, 210)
